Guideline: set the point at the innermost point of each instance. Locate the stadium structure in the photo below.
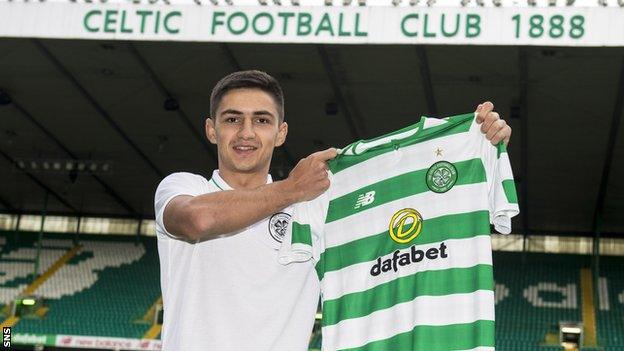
(100, 100)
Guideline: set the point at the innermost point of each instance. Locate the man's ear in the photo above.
(281, 134)
(211, 132)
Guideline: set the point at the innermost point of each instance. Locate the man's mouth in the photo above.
(244, 150)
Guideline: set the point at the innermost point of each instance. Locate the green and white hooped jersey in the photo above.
(401, 239)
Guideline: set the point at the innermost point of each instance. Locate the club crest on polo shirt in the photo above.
(278, 223)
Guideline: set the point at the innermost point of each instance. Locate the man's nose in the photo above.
(246, 130)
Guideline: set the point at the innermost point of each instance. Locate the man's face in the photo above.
(246, 129)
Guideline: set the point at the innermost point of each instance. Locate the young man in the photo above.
(223, 288)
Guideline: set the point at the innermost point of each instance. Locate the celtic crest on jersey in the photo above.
(441, 177)
(278, 223)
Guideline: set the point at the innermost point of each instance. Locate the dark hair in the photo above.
(247, 79)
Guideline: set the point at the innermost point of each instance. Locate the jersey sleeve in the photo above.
(304, 237)
(175, 184)
(502, 198)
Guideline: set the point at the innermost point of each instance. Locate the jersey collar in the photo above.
(223, 185)
(361, 146)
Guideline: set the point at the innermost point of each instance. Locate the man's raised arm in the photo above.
(215, 214)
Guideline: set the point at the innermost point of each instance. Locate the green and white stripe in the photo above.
(374, 219)
(430, 311)
(392, 163)
(455, 226)
(464, 253)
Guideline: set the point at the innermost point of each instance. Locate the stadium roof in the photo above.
(104, 101)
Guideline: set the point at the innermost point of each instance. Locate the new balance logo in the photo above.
(365, 199)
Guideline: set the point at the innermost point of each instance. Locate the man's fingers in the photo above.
(491, 132)
(487, 107)
(500, 135)
(483, 110)
(479, 117)
(489, 121)
(506, 140)
(325, 154)
(499, 125)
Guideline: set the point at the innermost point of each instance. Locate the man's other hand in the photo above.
(494, 128)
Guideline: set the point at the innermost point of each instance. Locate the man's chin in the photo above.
(247, 168)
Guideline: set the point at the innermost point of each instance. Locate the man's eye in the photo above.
(263, 120)
(231, 120)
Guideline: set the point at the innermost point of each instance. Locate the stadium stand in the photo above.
(538, 291)
(17, 264)
(104, 290)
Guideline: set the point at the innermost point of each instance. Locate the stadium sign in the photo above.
(107, 343)
(91, 342)
(34, 339)
(557, 26)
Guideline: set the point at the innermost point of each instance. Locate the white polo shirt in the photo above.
(231, 293)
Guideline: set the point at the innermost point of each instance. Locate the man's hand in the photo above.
(494, 128)
(309, 177)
